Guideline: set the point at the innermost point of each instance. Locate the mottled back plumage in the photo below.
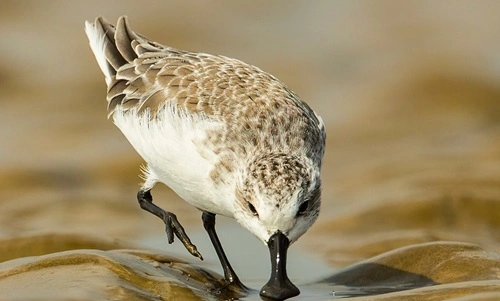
(255, 106)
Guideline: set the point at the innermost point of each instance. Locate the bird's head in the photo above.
(279, 192)
(279, 200)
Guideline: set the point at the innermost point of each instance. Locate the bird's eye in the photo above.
(303, 208)
(252, 208)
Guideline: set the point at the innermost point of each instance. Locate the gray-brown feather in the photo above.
(257, 110)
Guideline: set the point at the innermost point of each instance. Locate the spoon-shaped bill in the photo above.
(279, 287)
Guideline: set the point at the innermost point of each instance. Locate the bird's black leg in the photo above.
(229, 274)
(172, 225)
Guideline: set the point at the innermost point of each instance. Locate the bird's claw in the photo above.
(172, 226)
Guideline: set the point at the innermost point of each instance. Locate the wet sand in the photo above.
(410, 94)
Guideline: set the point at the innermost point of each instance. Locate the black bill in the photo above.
(279, 287)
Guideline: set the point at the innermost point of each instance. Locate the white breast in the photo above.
(170, 146)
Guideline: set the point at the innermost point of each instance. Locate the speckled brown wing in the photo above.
(144, 74)
(254, 107)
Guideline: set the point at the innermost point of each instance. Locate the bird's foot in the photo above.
(172, 226)
(233, 288)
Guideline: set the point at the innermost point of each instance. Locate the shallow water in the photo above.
(411, 201)
(89, 273)
(248, 255)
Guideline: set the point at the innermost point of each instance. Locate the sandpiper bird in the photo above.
(227, 137)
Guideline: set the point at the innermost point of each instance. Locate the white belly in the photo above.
(169, 146)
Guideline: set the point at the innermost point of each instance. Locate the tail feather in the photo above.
(112, 46)
(124, 38)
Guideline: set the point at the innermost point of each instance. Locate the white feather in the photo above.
(168, 145)
(97, 41)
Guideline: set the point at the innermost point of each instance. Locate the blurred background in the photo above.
(409, 91)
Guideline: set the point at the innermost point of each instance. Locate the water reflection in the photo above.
(374, 279)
